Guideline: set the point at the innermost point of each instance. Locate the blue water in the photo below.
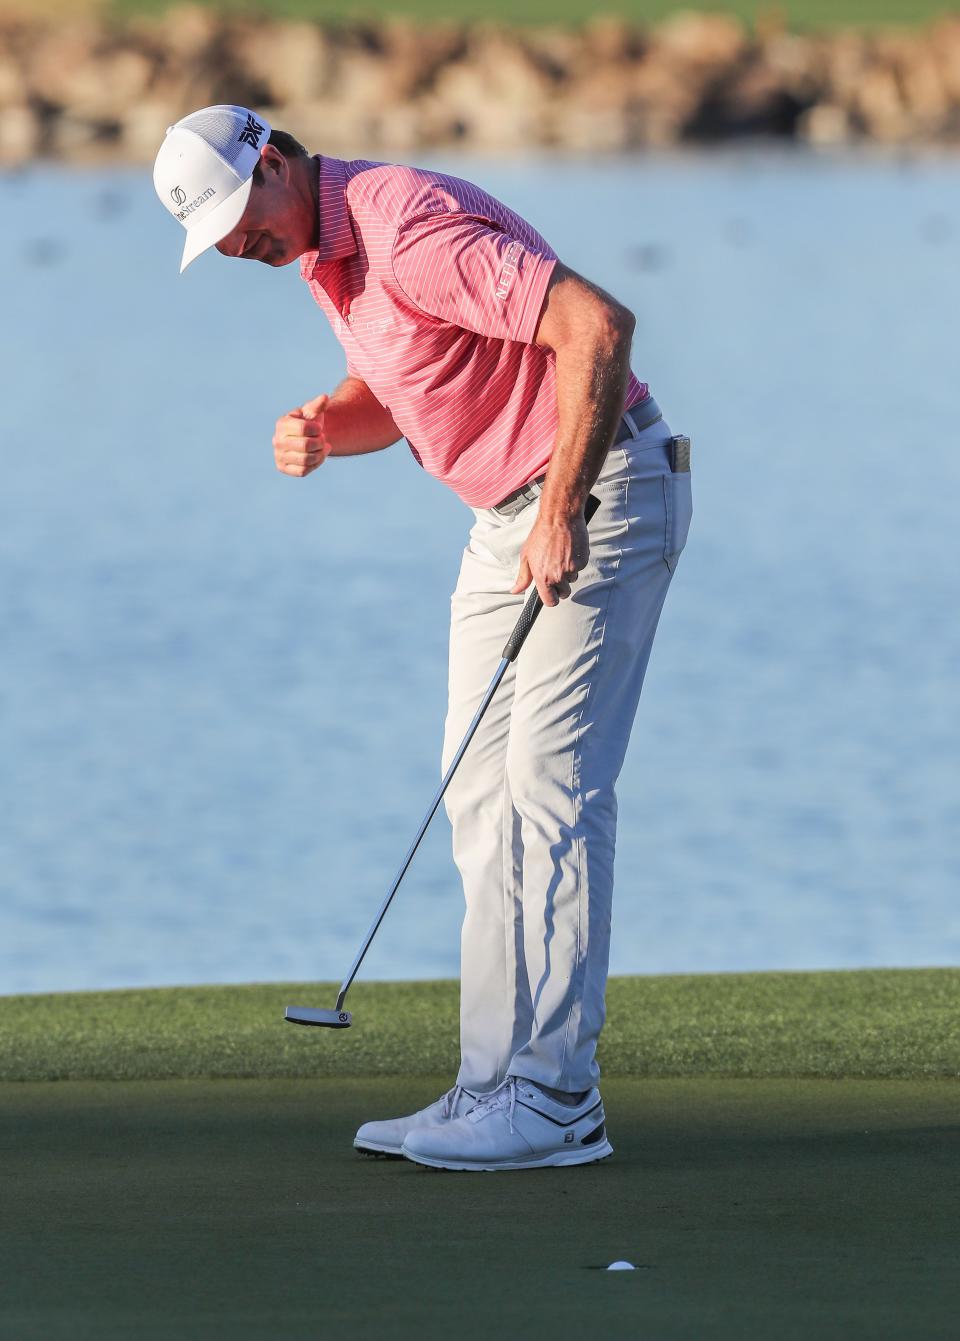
(222, 690)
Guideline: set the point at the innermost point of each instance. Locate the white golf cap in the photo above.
(204, 172)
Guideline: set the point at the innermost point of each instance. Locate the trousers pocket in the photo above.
(678, 498)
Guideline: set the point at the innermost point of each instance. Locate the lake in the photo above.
(222, 690)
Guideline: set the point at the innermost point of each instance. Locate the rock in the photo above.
(71, 136)
(584, 127)
(495, 97)
(400, 130)
(416, 53)
(188, 32)
(58, 53)
(825, 124)
(145, 126)
(507, 69)
(557, 51)
(701, 40)
(750, 101)
(847, 58)
(83, 85)
(944, 46)
(925, 92)
(461, 108)
(879, 103)
(795, 61)
(326, 126)
(20, 134)
(607, 37)
(106, 84)
(13, 85)
(362, 82)
(292, 62)
(770, 25)
(665, 99)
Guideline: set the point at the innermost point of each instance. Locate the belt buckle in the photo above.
(526, 492)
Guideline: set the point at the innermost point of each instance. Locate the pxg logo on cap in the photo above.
(251, 132)
(203, 173)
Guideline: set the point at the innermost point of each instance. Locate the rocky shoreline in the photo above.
(87, 89)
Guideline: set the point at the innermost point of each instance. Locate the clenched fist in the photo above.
(299, 442)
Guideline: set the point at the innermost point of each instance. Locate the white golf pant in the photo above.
(533, 804)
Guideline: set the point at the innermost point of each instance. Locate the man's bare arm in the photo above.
(350, 422)
(589, 333)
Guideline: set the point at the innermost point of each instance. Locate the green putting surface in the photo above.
(787, 1165)
(866, 1022)
(200, 1210)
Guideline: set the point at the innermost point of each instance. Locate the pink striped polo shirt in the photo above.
(435, 290)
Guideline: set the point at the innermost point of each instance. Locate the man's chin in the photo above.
(278, 256)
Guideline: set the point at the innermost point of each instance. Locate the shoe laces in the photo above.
(503, 1097)
(448, 1104)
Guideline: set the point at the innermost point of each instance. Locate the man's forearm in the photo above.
(591, 390)
(355, 422)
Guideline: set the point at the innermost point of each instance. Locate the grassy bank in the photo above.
(798, 13)
(868, 1023)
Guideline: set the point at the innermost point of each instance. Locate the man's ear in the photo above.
(270, 160)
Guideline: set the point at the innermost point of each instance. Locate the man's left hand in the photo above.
(555, 551)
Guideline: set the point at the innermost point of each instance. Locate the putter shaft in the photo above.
(532, 608)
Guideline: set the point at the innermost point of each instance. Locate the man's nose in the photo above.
(232, 245)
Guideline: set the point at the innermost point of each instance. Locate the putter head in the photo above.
(330, 1019)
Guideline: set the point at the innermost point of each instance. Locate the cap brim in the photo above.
(215, 225)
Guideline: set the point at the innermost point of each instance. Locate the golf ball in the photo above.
(621, 1266)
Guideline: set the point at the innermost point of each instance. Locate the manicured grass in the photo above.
(799, 13)
(869, 1022)
(787, 1153)
(206, 1210)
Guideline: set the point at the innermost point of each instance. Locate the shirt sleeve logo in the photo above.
(508, 271)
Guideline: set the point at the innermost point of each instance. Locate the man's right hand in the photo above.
(299, 442)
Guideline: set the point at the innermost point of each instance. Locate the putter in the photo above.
(338, 1018)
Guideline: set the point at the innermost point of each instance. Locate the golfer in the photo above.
(509, 377)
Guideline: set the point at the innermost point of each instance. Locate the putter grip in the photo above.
(534, 605)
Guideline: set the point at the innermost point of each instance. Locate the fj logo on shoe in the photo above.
(567, 1137)
(251, 132)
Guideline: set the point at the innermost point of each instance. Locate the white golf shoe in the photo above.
(514, 1127)
(386, 1138)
